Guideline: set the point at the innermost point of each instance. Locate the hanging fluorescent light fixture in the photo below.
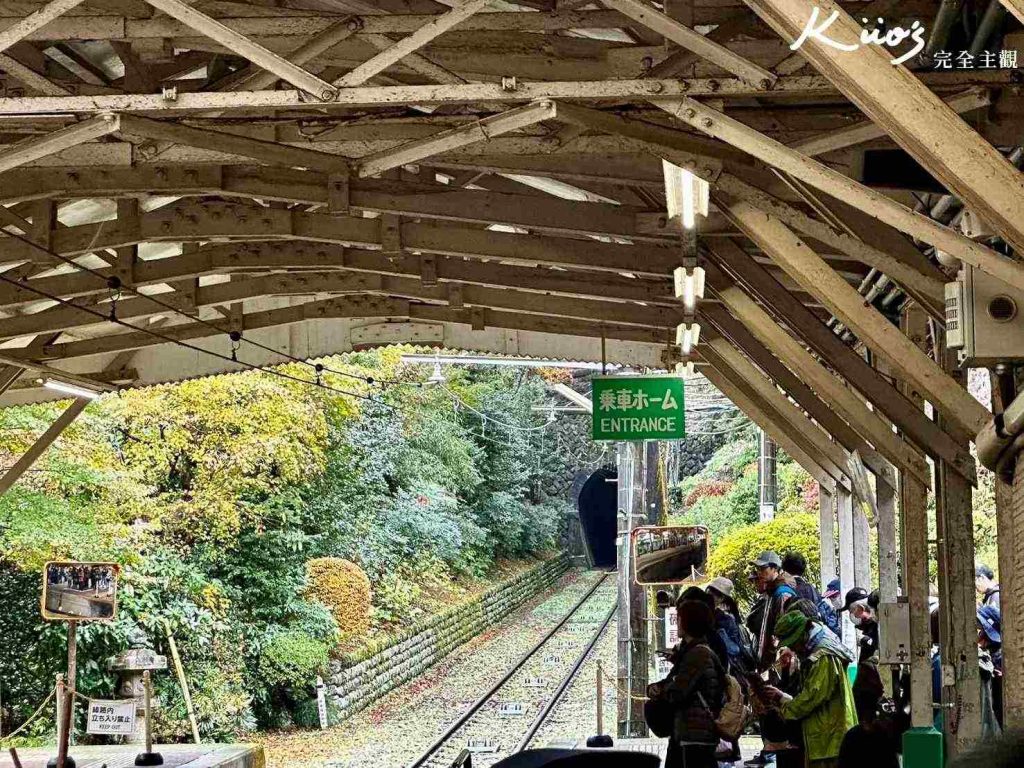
(687, 337)
(686, 195)
(689, 284)
(70, 389)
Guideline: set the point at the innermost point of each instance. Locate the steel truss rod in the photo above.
(313, 259)
(34, 21)
(892, 96)
(481, 130)
(218, 141)
(58, 141)
(395, 53)
(67, 318)
(852, 135)
(30, 77)
(832, 182)
(682, 35)
(239, 43)
(371, 96)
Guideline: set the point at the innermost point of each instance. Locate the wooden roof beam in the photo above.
(895, 99)
(910, 419)
(467, 93)
(827, 385)
(728, 326)
(859, 133)
(884, 338)
(759, 413)
(832, 456)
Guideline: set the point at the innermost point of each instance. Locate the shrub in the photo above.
(344, 589)
(707, 488)
(732, 556)
(292, 659)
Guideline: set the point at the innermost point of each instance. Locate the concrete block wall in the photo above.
(356, 682)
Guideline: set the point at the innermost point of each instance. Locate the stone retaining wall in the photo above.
(356, 683)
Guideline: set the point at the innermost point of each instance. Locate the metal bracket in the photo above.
(338, 194)
(455, 295)
(428, 269)
(391, 234)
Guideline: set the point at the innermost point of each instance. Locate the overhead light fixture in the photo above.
(689, 283)
(70, 389)
(686, 194)
(687, 337)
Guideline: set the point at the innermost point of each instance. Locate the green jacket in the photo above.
(824, 705)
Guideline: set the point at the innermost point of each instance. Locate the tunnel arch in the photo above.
(597, 505)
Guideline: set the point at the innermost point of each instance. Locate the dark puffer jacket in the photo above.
(696, 689)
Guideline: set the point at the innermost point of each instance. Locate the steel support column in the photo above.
(847, 571)
(827, 534)
(632, 611)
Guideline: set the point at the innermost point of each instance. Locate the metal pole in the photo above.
(600, 698)
(147, 685)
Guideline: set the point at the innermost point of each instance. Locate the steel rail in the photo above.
(566, 681)
(479, 703)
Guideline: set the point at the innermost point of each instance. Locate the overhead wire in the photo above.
(114, 283)
(111, 318)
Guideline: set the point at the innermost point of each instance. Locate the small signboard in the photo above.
(482, 746)
(553, 659)
(671, 629)
(79, 591)
(321, 701)
(512, 709)
(638, 408)
(536, 682)
(115, 717)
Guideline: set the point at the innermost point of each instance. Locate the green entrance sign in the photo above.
(638, 408)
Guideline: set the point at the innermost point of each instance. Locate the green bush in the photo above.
(292, 659)
(732, 555)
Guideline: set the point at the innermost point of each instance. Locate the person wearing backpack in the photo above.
(693, 693)
(824, 705)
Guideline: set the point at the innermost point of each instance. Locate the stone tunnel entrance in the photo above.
(597, 505)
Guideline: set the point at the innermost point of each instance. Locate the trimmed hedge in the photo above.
(344, 589)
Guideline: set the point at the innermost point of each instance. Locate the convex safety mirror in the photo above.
(79, 591)
(670, 554)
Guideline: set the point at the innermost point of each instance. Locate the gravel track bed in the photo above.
(401, 725)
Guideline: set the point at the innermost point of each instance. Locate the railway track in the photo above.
(507, 717)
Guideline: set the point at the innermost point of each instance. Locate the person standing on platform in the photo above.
(986, 585)
(694, 688)
(824, 705)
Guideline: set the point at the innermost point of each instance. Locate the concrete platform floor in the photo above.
(123, 756)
